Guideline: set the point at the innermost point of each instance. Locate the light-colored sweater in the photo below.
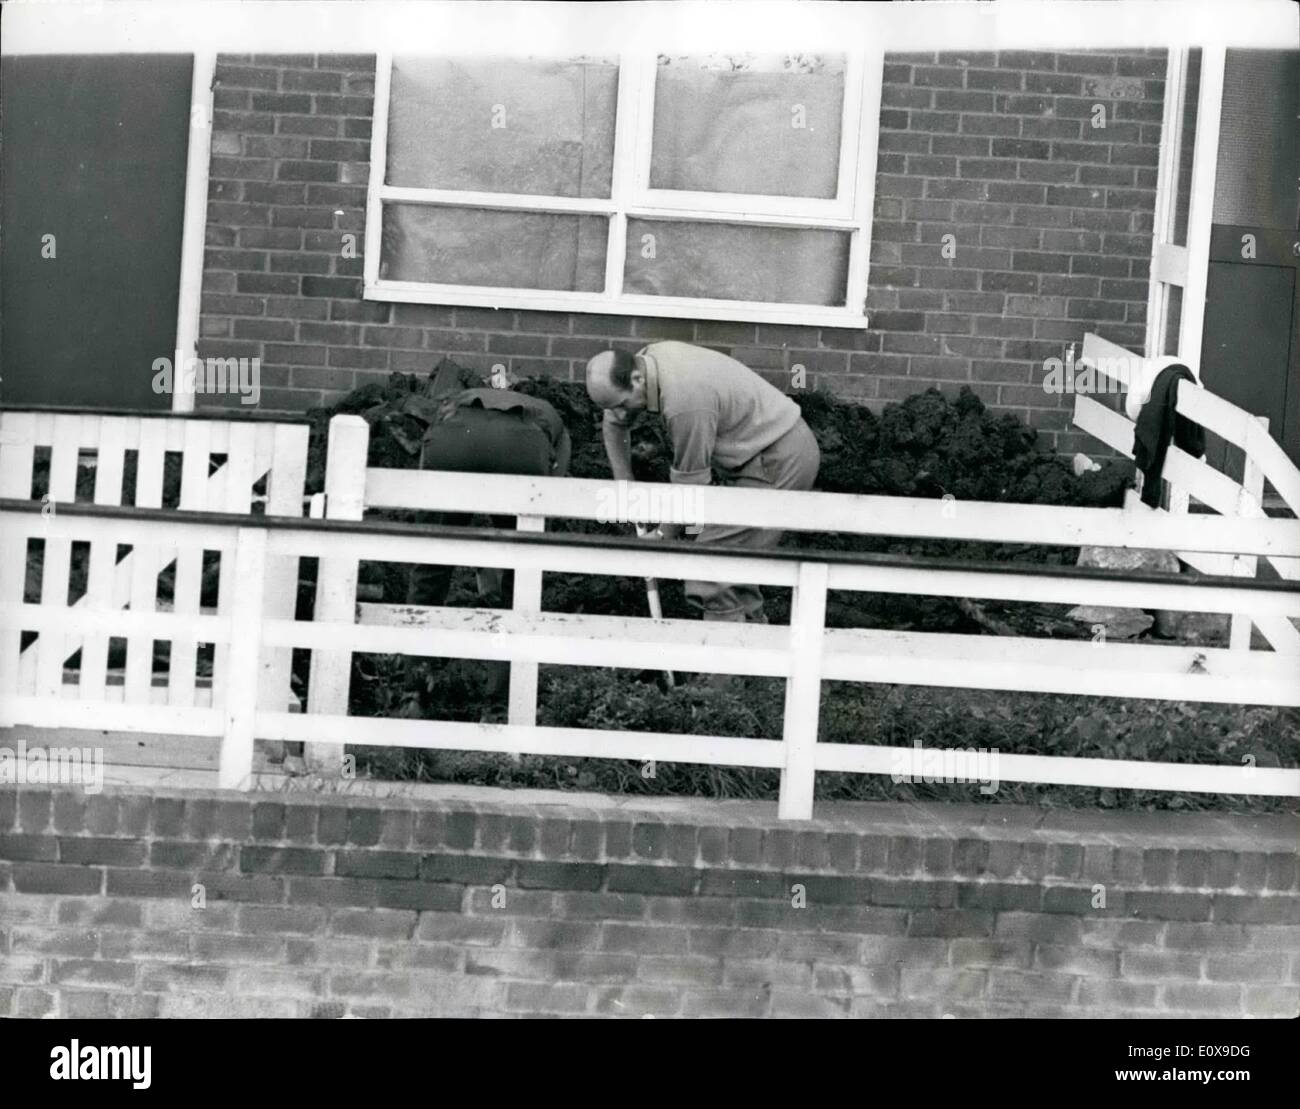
(719, 412)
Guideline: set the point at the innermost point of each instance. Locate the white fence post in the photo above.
(53, 648)
(1249, 504)
(803, 692)
(17, 461)
(238, 475)
(182, 666)
(284, 489)
(244, 657)
(110, 456)
(527, 600)
(336, 581)
(146, 561)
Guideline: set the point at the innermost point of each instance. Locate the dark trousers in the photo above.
(429, 585)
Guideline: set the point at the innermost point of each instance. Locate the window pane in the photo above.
(1173, 318)
(537, 126)
(509, 250)
(720, 261)
(765, 125)
(1191, 105)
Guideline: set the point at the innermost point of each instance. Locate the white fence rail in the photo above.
(804, 653)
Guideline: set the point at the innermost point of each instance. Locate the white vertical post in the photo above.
(188, 588)
(527, 599)
(1171, 134)
(1200, 212)
(17, 459)
(379, 163)
(1249, 504)
(336, 581)
(100, 574)
(632, 71)
(863, 188)
(803, 692)
(17, 454)
(234, 498)
(239, 710)
(53, 648)
(146, 561)
(13, 566)
(283, 498)
(193, 229)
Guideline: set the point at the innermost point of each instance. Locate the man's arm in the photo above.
(618, 446)
(693, 436)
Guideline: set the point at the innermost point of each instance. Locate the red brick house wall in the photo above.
(1051, 219)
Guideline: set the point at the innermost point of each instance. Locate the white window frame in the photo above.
(631, 197)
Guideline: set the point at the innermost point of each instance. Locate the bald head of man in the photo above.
(616, 382)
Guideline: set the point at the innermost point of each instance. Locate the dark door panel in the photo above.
(1250, 316)
(1251, 350)
(1250, 353)
(94, 152)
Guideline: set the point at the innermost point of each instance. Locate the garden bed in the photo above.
(926, 446)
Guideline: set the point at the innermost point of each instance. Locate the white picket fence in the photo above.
(247, 451)
(254, 629)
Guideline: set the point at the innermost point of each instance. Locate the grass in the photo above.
(897, 716)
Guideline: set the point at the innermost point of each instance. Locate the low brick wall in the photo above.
(473, 904)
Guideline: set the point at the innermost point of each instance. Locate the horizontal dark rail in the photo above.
(619, 542)
(218, 414)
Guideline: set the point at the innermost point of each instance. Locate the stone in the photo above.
(1119, 623)
(1122, 623)
(1200, 628)
(1125, 558)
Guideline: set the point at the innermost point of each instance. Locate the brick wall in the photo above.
(1051, 219)
(326, 906)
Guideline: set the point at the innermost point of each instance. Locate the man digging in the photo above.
(720, 415)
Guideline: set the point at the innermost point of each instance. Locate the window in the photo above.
(712, 186)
